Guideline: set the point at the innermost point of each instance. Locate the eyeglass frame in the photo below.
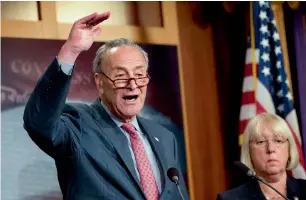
(265, 142)
(128, 80)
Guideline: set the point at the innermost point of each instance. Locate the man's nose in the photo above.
(132, 84)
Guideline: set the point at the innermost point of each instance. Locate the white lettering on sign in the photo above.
(12, 95)
(26, 68)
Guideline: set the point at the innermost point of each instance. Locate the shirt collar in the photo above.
(120, 122)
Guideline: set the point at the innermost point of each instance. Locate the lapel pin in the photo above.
(296, 198)
(156, 139)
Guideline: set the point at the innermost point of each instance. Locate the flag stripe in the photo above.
(248, 97)
(248, 71)
(247, 111)
(260, 108)
(292, 120)
(264, 98)
(248, 84)
(242, 125)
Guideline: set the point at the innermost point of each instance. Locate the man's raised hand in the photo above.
(81, 37)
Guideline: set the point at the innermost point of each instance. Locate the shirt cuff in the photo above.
(66, 68)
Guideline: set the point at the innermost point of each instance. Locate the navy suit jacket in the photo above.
(91, 153)
(252, 191)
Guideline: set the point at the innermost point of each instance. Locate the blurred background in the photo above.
(200, 54)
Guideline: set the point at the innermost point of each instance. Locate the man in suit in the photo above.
(102, 151)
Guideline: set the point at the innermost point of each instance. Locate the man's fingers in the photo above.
(96, 31)
(99, 18)
(86, 19)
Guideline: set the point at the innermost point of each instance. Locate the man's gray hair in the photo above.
(100, 54)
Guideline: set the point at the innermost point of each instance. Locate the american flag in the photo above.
(265, 84)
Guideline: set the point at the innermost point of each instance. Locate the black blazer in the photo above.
(252, 191)
(91, 153)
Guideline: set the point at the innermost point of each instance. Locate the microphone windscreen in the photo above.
(172, 172)
(243, 168)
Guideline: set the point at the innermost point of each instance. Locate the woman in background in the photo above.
(268, 149)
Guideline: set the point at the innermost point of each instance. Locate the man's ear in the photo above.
(99, 82)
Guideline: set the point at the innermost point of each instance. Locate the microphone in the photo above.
(173, 175)
(252, 174)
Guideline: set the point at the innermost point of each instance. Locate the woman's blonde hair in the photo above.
(279, 126)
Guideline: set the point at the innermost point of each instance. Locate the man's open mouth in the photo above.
(130, 97)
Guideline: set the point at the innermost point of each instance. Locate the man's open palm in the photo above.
(85, 30)
(82, 35)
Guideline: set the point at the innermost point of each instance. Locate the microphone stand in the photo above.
(179, 189)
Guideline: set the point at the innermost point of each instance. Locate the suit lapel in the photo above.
(117, 138)
(158, 150)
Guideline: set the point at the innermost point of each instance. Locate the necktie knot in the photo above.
(128, 127)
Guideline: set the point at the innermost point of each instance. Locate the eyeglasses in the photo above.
(123, 83)
(262, 143)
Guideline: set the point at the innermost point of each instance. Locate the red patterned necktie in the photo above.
(147, 178)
